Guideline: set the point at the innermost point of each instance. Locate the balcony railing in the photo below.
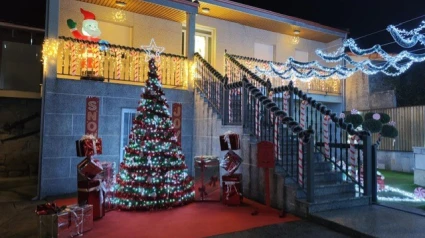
(116, 63)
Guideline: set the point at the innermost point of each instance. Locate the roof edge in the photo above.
(278, 17)
(183, 5)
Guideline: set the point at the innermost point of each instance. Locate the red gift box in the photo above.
(232, 189)
(88, 146)
(91, 192)
(207, 174)
(88, 168)
(230, 141)
(231, 162)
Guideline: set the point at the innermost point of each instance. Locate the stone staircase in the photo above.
(331, 191)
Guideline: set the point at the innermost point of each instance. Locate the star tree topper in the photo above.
(152, 51)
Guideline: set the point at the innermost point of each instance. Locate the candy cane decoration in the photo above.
(229, 106)
(353, 156)
(136, 62)
(74, 58)
(276, 141)
(96, 58)
(325, 131)
(159, 65)
(286, 97)
(118, 63)
(178, 70)
(303, 112)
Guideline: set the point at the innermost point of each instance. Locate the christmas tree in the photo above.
(153, 174)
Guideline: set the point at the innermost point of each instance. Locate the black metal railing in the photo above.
(293, 121)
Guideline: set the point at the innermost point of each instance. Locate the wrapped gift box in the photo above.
(232, 189)
(230, 141)
(88, 168)
(108, 178)
(88, 146)
(70, 222)
(87, 217)
(92, 192)
(231, 162)
(207, 174)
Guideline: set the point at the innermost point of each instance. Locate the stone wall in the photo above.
(396, 161)
(65, 119)
(364, 92)
(19, 156)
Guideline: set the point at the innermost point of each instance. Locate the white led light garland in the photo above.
(392, 65)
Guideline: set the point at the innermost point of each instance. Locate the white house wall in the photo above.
(166, 33)
(236, 38)
(239, 40)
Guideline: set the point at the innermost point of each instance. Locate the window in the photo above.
(127, 117)
(203, 42)
(264, 52)
(301, 56)
(116, 34)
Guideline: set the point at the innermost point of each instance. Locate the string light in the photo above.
(407, 39)
(393, 66)
(408, 197)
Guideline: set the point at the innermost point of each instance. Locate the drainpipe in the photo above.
(51, 31)
(190, 43)
(344, 83)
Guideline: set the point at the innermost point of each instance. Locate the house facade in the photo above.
(211, 28)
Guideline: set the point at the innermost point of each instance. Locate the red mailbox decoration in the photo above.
(265, 154)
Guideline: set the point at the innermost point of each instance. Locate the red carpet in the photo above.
(194, 220)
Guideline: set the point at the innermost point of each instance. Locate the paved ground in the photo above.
(298, 229)
(18, 189)
(18, 219)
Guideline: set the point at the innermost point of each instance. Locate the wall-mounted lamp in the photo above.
(120, 3)
(205, 10)
(296, 37)
(119, 15)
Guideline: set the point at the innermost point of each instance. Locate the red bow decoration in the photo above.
(48, 208)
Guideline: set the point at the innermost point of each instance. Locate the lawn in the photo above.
(404, 182)
(400, 180)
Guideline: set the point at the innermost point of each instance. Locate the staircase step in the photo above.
(328, 176)
(328, 188)
(319, 166)
(332, 203)
(325, 188)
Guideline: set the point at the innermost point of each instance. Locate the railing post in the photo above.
(374, 178)
(367, 165)
(291, 104)
(309, 156)
(225, 107)
(244, 102)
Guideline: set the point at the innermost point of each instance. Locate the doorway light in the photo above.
(120, 3)
(296, 37)
(205, 10)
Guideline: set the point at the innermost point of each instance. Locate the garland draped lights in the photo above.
(393, 66)
(307, 70)
(407, 39)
